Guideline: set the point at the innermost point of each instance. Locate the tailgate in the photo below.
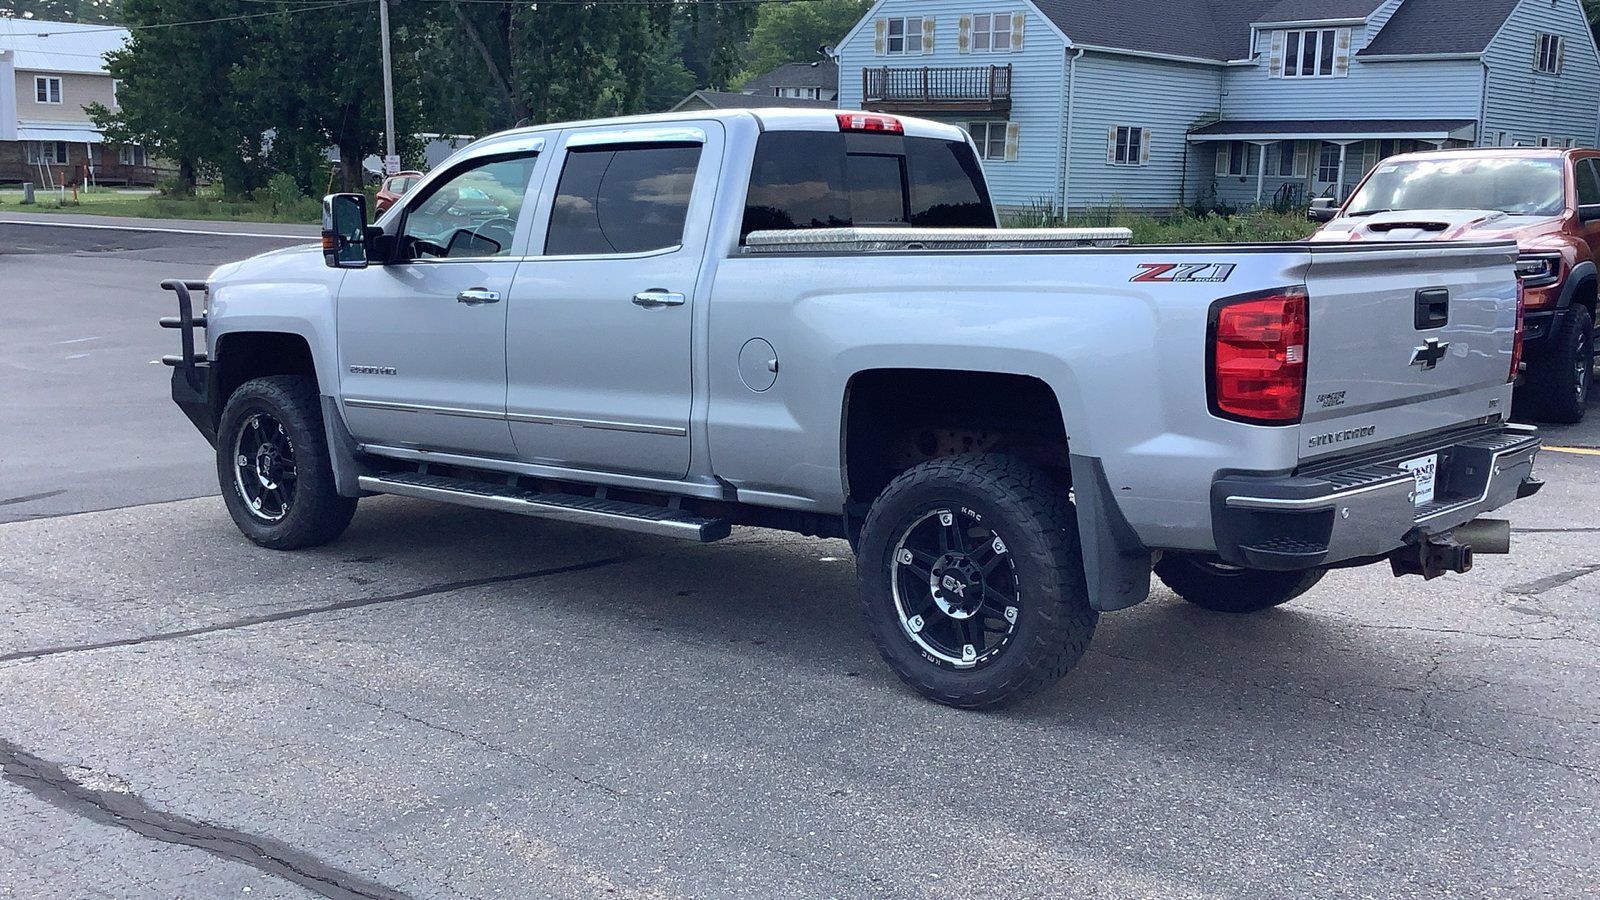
(1405, 339)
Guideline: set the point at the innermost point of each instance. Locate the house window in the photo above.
(801, 93)
(990, 138)
(131, 155)
(991, 33)
(1289, 161)
(46, 89)
(1547, 53)
(1129, 146)
(47, 152)
(1232, 158)
(1388, 148)
(905, 35)
(1309, 54)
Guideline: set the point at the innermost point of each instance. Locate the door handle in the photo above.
(655, 298)
(476, 296)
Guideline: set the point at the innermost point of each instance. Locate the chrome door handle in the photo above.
(475, 296)
(655, 299)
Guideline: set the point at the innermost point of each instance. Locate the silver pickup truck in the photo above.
(807, 320)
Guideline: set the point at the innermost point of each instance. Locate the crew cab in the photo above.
(1545, 199)
(807, 320)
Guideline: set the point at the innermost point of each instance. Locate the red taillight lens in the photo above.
(854, 121)
(1258, 357)
(1516, 342)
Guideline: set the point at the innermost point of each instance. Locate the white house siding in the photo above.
(1381, 16)
(1166, 98)
(1528, 105)
(1427, 89)
(1036, 87)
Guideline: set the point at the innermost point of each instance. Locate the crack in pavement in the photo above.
(291, 614)
(1539, 586)
(47, 781)
(1585, 529)
(28, 498)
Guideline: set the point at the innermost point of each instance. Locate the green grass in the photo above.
(1183, 228)
(145, 204)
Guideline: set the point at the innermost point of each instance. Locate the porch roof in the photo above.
(1336, 130)
(58, 131)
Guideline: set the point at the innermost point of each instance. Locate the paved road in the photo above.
(452, 703)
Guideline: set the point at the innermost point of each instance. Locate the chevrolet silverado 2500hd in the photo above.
(806, 320)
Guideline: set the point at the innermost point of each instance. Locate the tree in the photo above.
(1591, 8)
(792, 32)
(175, 93)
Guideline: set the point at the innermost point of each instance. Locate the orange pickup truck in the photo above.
(1545, 199)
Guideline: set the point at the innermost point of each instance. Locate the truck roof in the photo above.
(1491, 153)
(767, 119)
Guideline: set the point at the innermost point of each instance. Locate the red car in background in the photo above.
(1545, 199)
(394, 187)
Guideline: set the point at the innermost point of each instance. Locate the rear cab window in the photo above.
(818, 179)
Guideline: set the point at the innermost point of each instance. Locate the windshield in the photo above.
(1520, 187)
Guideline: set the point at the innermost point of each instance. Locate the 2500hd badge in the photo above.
(1339, 437)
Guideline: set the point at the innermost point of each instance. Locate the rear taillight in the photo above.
(1516, 342)
(1258, 357)
(855, 121)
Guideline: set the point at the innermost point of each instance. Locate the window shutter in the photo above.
(1302, 156)
(927, 35)
(1012, 130)
(1275, 56)
(1341, 53)
(1369, 156)
(1111, 146)
(880, 37)
(1144, 148)
(1016, 29)
(1537, 39)
(1561, 53)
(964, 33)
(1222, 157)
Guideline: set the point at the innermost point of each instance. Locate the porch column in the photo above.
(1338, 188)
(1261, 171)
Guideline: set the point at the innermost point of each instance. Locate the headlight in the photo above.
(1537, 271)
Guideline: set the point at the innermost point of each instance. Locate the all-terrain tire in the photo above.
(971, 578)
(1560, 372)
(1223, 588)
(272, 465)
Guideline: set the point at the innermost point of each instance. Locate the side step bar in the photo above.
(618, 514)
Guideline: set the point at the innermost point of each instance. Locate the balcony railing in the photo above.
(937, 89)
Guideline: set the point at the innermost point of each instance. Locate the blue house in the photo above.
(1151, 104)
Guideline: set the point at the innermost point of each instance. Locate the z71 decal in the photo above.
(1184, 272)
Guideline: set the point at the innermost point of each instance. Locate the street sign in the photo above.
(391, 165)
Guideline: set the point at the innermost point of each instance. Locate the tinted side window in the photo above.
(816, 179)
(1588, 182)
(622, 199)
(473, 213)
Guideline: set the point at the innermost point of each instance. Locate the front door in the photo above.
(1325, 180)
(422, 339)
(602, 318)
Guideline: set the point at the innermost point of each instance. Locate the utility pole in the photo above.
(389, 161)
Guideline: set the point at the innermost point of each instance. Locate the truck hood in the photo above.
(271, 261)
(1436, 225)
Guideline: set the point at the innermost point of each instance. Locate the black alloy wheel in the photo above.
(972, 582)
(264, 468)
(273, 465)
(955, 588)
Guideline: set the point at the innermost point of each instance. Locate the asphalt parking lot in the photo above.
(451, 703)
